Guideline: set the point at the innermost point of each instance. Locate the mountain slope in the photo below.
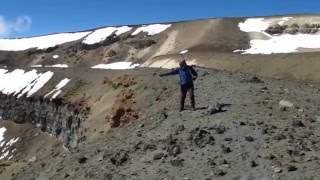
(235, 44)
(90, 104)
(250, 138)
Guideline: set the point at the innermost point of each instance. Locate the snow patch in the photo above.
(58, 66)
(6, 145)
(4, 155)
(36, 84)
(100, 35)
(41, 42)
(36, 66)
(19, 81)
(58, 87)
(55, 56)
(286, 43)
(117, 65)
(183, 52)
(123, 29)
(2, 130)
(284, 20)
(152, 29)
(254, 25)
(56, 94)
(12, 141)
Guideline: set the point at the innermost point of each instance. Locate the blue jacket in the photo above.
(186, 74)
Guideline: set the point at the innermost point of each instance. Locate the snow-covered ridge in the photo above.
(19, 82)
(152, 29)
(286, 43)
(117, 65)
(41, 42)
(100, 35)
(91, 37)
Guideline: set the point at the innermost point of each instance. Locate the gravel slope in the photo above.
(251, 138)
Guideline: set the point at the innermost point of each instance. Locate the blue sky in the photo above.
(21, 18)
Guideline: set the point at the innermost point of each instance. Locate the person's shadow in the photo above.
(201, 108)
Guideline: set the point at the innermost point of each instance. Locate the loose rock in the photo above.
(159, 156)
(297, 123)
(285, 104)
(249, 138)
(176, 163)
(82, 159)
(291, 168)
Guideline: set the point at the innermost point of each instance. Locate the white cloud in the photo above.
(21, 24)
(4, 27)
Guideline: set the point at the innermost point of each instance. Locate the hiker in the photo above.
(187, 76)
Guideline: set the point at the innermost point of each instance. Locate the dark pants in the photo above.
(184, 89)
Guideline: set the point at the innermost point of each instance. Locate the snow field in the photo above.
(285, 43)
(117, 65)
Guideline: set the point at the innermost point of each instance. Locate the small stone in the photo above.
(108, 176)
(295, 152)
(176, 163)
(274, 127)
(249, 138)
(264, 89)
(286, 104)
(225, 150)
(119, 158)
(220, 172)
(312, 120)
(264, 131)
(220, 130)
(279, 137)
(242, 123)
(253, 163)
(189, 137)
(173, 150)
(259, 122)
(283, 108)
(33, 159)
(277, 170)
(82, 159)
(211, 162)
(66, 175)
(181, 128)
(307, 159)
(100, 158)
(222, 162)
(297, 123)
(291, 168)
(139, 134)
(159, 156)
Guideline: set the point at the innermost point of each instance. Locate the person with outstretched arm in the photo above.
(187, 76)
